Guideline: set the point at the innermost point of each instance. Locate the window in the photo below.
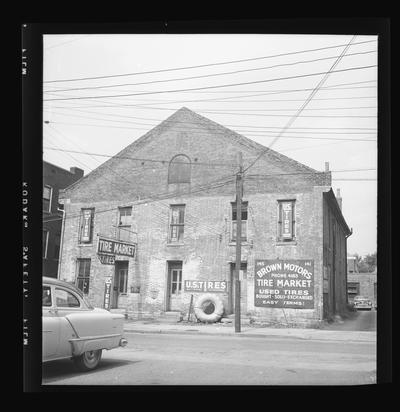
(286, 220)
(65, 299)
(47, 192)
(124, 223)
(179, 169)
(83, 278)
(244, 220)
(46, 296)
(177, 223)
(86, 228)
(353, 289)
(45, 242)
(57, 246)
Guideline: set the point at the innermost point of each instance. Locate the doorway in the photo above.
(174, 286)
(120, 282)
(243, 287)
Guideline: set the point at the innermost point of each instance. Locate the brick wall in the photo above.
(207, 250)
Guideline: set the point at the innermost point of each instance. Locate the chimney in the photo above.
(326, 166)
(77, 172)
(338, 198)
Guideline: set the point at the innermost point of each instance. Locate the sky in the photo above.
(310, 97)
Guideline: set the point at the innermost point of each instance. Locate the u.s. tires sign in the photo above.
(284, 284)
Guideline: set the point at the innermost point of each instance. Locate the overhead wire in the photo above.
(203, 65)
(212, 87)
(309, 98)
(204, 75)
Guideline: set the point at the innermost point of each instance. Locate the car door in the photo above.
(67, 302)
(50, 325)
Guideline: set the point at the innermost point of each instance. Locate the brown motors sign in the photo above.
(284, 284)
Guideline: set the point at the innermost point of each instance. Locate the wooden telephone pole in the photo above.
(239, 195)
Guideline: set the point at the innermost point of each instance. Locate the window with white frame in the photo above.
(47, 193)
(244, 215)
(125, 223)
(177, 223)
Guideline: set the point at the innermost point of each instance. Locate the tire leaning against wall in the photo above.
(200, 305)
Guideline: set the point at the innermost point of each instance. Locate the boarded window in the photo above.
(86, 229)
(286, 220)
(179, 170)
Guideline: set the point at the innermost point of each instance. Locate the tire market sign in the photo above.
(284, 284)
(111, 247)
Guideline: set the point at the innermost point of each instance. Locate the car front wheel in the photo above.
(88, 360)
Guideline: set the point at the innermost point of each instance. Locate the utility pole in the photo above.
(239, 195)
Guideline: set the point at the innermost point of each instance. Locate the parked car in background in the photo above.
(74, 329)
(362, 302)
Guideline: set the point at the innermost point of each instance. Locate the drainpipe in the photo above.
(61, 241)
(346, 271)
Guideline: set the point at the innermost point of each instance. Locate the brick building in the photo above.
(148, 227)
(54, 179)
(361, 283)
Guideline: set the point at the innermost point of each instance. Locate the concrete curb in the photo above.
(333, 336)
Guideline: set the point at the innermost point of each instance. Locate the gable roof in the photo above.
(187, 116)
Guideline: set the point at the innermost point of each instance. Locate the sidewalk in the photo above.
(219, 329)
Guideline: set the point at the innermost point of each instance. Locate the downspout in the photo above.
(61, 241)
(346, 271)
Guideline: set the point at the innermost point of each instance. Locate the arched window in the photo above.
(179, 169)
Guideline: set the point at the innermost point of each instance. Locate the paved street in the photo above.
(179, 359)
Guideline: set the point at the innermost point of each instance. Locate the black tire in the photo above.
(209, 308)
(88, 360)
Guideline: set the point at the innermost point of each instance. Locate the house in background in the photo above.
(156, 224)
(54, 179)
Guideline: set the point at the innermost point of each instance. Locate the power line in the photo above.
(204, 65)
(212, 87)
(186, 123)
(292, 119)
(226, 125)
(204, 75)
(265, 93)
(200, 188)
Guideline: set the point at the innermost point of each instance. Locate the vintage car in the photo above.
(74, 329)
(362, 302)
